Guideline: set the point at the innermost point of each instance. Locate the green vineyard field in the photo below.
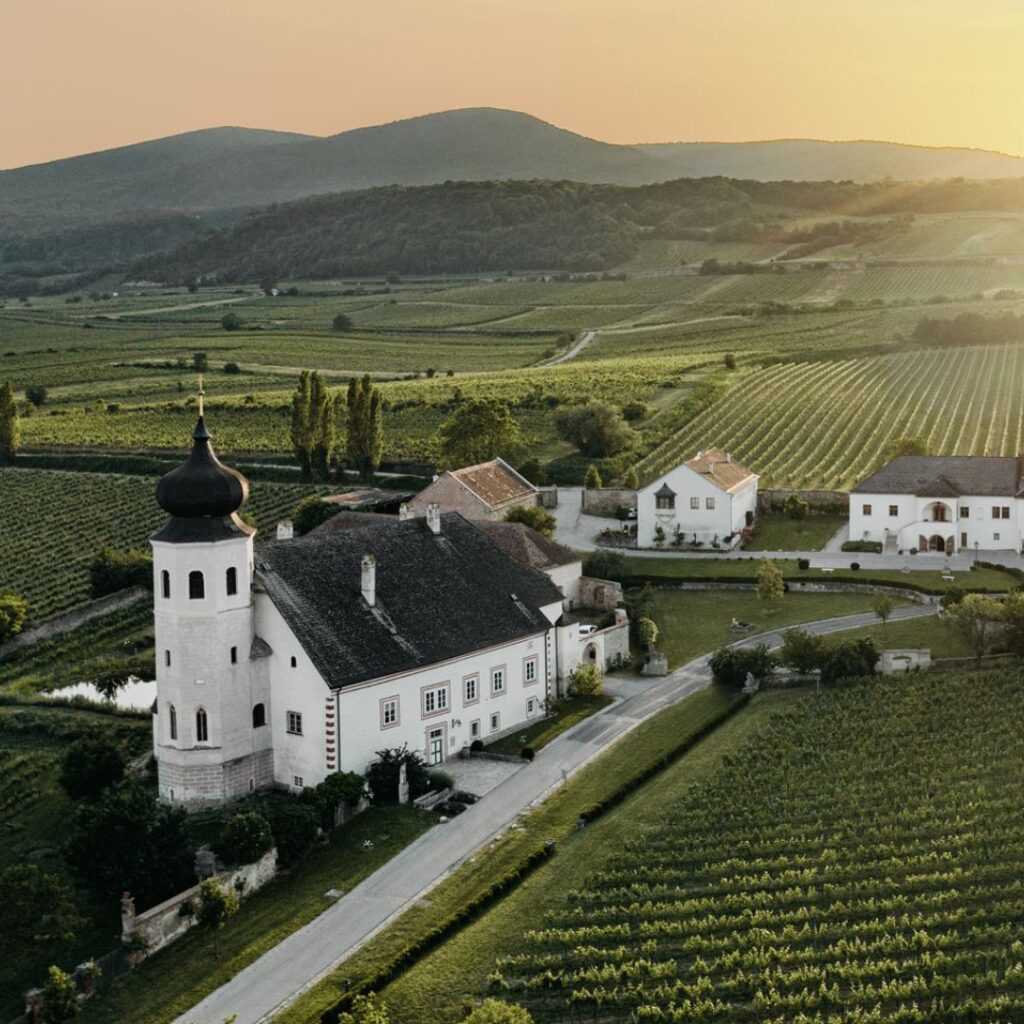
(54, 523)
(827, 423)
(859, 859)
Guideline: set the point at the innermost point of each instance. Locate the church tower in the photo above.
(209, 733)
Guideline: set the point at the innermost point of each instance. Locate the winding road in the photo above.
(299, 961)
(585, 340)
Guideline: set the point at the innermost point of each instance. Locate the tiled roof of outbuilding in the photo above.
(495, 483)
(438, 596)
(526, 545)
(720, 468)
(945, 476)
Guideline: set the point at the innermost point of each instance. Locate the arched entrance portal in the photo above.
(940, 544)
(591, 653)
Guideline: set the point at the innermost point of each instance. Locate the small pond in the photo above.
(137, 694)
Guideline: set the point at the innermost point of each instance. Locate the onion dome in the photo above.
(202, 487)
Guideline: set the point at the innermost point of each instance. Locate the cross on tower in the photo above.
(202, 394)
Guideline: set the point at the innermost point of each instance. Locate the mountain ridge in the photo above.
(237, 168)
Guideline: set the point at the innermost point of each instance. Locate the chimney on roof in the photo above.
(369, 580)
(285, 530)
(404, 512)
(728, 457)
(700, 455)
(434, 517)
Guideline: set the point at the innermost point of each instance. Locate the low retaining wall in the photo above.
(67, 621)
(162, 924)
(819, 500)
(606, 501)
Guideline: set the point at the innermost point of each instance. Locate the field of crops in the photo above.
(827, 423)
(858, 860)
(54, 522)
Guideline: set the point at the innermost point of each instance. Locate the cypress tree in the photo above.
(9, 427)
(322, 427)
(374, 436)
(356, 416)
(301, 428)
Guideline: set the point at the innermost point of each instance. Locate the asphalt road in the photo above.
(298, 962)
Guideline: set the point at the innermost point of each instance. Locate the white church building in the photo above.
(282, 664)
(942, 503)
(711, 498)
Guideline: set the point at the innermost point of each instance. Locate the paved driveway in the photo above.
(298, 962)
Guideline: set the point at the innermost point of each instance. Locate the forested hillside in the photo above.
(496, 226)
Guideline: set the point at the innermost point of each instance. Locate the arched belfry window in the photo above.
(232, 581)
(172, 721)
(196, 586)
(165, 583)
(202, 727)
(259, 715)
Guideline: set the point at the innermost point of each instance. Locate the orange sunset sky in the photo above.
(81, 75)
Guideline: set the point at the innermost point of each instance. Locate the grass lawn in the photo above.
(932, 632)
(746, 569)
(178, 977)
(779, 533)
(555, 819)
(465, 961)
(570, 711)
(693, 622)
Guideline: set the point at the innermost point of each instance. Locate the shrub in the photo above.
(496, 1011)
(13, 612)
(90, 765)
(232, 368)
(527, 753)
(231, 321)
(200, 362)
(311, 512)
(592, 479)
(729, 361)
(244, 839)
(338, 788)
(635, 411)
(732, 665)
(36, 394)
(872, 547)
(383, 773)
(605, 565)
(342, 322)
(440, 780)
(801, 651)
(534, 516)
(803, 564)
(114, 569)
(855, 566)
(795, 507)
(586, 681)
(293, 826)
(849, 659)
(952, 597)
(647, 632)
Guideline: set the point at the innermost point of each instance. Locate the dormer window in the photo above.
(665, 499)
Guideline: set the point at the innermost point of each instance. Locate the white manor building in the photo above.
(942, 503)
(710, 499)
(280, 665)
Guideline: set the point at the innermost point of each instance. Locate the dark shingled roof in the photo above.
(526, 545)
(945, 476)
(438, 596)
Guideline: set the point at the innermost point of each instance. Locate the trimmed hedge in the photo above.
(602, 807)
(444, 931)
(872, 547)
(672, 581)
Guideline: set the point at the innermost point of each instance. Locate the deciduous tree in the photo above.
(34, 907)
(13, 612)
(91, 765)
(479, 430)
(883, 606)
(217, 904)
(596, 429)
(770, 585)
(975, 618)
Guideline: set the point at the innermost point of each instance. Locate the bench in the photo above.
(829, 569)
(947, 578)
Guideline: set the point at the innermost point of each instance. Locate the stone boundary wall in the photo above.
(616, 643)
(161, 925)
(65, 622)
(819, 500)
(605, 501)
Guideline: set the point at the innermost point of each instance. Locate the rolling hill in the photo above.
(239, 168)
